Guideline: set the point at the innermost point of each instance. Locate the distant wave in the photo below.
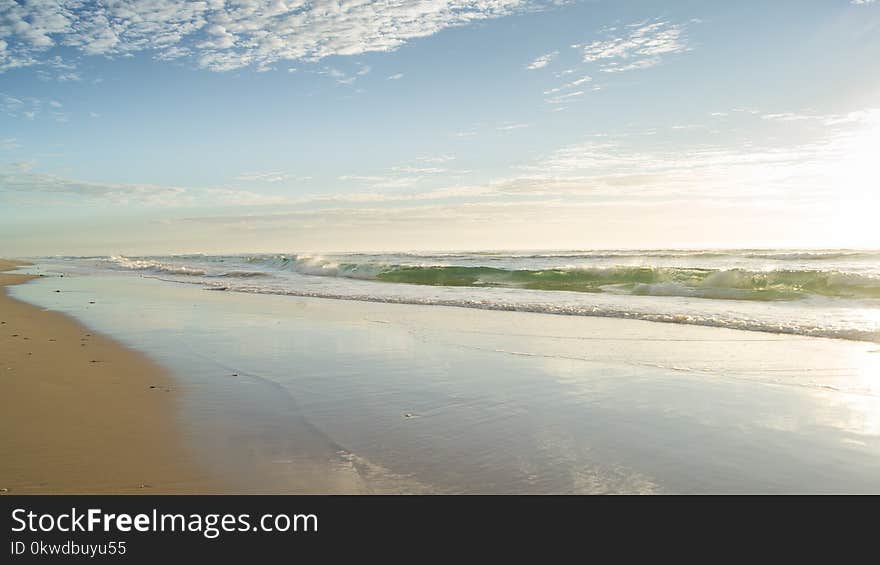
(814, 255)
(155, 266)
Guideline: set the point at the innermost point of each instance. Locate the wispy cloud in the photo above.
(20, 183)
(837, 164)
(376, 182)
(437, 158)
(30, 108)
(858, 116)
(542, 61)
(830, 164)
(563, 98)
(396, 76)
(229, 35)
(270, 177)
(466, 133)
(626, 48)
(636, 46)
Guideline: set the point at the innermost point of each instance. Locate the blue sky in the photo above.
(156, 127)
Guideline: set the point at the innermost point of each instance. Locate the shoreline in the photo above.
(82, 413)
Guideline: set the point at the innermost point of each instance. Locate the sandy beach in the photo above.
(82, 413)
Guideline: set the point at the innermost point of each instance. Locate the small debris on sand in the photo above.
(57, 291)
(409, 415)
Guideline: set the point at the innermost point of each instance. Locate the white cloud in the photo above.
(542, 61)
(268, 176)
(437, 159)
(410, 169)
(228, 35)
(375, 182)
(579, 81)
(787, 117)
(570, 188)
(835, 162)
(397, 76)
(20, 181)
(21, 184)
(641, 46)
(615, 67)
(565, 97)
(466, 133)
(68, 77)
(25, 107)
(855, 117)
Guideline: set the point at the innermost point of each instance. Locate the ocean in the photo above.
(832, 293)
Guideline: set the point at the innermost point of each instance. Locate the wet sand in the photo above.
(83, 414)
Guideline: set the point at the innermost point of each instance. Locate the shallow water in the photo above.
(292, 394)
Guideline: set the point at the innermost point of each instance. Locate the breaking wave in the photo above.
(833, 293)
(716, 284)
(169, 268)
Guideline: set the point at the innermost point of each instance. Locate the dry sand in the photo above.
(81, 413)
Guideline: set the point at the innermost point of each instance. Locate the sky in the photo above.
(155, 126)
